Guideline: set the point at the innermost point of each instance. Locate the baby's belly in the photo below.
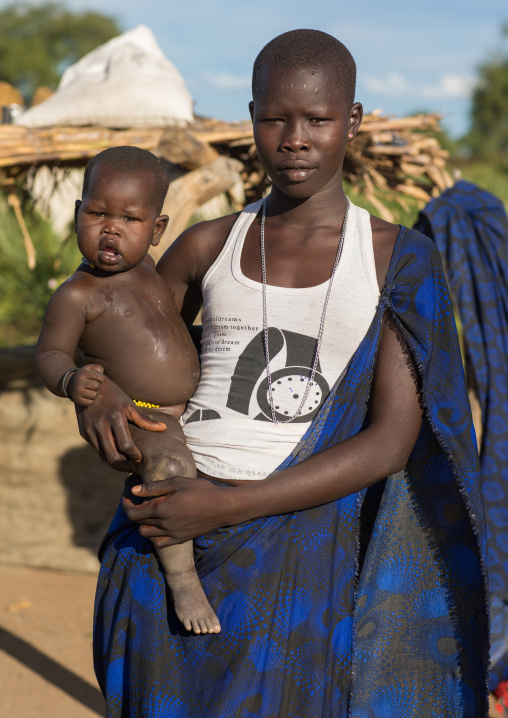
(164, 383)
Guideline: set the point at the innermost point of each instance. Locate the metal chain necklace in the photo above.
(310, 378)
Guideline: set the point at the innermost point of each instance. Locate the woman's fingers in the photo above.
(154, 488)
(145, 512)
(122, 440)
(144, 421)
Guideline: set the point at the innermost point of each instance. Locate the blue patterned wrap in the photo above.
(372, 606)
(470, 229)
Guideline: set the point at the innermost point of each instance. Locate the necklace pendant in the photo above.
(310, 378)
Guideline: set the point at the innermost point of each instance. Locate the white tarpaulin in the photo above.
(127, 82)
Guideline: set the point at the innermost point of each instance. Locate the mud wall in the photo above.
(56, 496)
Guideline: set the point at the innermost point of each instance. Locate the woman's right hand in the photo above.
(104, 424)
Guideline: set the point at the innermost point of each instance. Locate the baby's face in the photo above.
(117, 222)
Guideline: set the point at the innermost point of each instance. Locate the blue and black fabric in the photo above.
(470, 229)
(372, 606)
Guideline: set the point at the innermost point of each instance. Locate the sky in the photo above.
(411, 55)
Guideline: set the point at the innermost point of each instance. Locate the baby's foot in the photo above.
(191, 604)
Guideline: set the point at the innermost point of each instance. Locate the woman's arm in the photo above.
(182, 509)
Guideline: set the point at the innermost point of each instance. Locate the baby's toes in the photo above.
(203, 625)
(213, 625)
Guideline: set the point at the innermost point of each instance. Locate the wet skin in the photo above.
(120, 314)
(301, 126)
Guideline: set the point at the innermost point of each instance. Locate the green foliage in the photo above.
(405, 212)
(488, 136)
(37, 42)
(24, 293)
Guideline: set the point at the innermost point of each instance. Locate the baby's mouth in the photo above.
(108, 255)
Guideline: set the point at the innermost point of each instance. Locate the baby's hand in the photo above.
(85, 383)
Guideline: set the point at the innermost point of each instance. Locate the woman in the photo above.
(349, 579)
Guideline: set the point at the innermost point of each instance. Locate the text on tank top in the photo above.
(227, 423)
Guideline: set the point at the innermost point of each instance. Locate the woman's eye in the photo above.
(318, 120)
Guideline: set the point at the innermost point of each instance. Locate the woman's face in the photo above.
(301, 125)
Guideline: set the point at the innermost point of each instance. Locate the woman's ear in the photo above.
(355, 120)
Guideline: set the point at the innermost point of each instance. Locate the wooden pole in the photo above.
(195, 188)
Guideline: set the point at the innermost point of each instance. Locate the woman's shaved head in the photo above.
(307, 50)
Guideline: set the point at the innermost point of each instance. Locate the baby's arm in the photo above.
(64, 323)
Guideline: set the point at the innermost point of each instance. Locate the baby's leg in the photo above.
(165, 454)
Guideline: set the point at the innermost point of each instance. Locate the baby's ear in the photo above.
(160, 227)
(77, 205)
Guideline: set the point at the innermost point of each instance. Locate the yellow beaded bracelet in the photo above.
(146, 404)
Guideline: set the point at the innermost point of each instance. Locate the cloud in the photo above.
(394, 84)
(450, 85)
(228, 80)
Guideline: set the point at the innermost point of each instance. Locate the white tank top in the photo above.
(228, 423)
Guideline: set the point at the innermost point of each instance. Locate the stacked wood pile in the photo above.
(390, 159)
(396, 158)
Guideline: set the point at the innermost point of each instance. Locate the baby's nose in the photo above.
(111, 226)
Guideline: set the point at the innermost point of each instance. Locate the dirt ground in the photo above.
(46, 644)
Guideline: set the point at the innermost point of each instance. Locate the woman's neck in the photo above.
(326, 207)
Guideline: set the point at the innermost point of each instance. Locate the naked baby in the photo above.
(122, 317)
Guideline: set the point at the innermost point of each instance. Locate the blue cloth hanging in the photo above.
(470, 229)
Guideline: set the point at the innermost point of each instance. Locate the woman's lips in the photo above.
(296, 174)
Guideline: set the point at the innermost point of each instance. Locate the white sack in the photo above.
(127, 82)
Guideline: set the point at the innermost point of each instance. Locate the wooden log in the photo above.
(413, 191)
(389, 150)
(195, 188)
(374, 124)
(223, 136)
(412, 170)
(17, 363)
(181, 147)
(31, 254)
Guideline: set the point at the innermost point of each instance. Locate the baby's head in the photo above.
(303, 111)
(117, 219)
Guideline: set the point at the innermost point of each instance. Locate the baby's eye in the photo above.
(99, 214)
(131, 219)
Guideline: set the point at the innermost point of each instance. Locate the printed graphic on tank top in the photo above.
(228, 422)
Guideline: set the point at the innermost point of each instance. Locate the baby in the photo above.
(123, 318)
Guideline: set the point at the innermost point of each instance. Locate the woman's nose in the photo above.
(295, 137)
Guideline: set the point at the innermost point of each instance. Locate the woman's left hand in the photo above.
(179, 509)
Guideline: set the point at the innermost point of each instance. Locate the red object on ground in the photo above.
(501, 694)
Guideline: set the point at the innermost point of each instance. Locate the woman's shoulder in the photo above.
(392, 242)
(197, 247)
